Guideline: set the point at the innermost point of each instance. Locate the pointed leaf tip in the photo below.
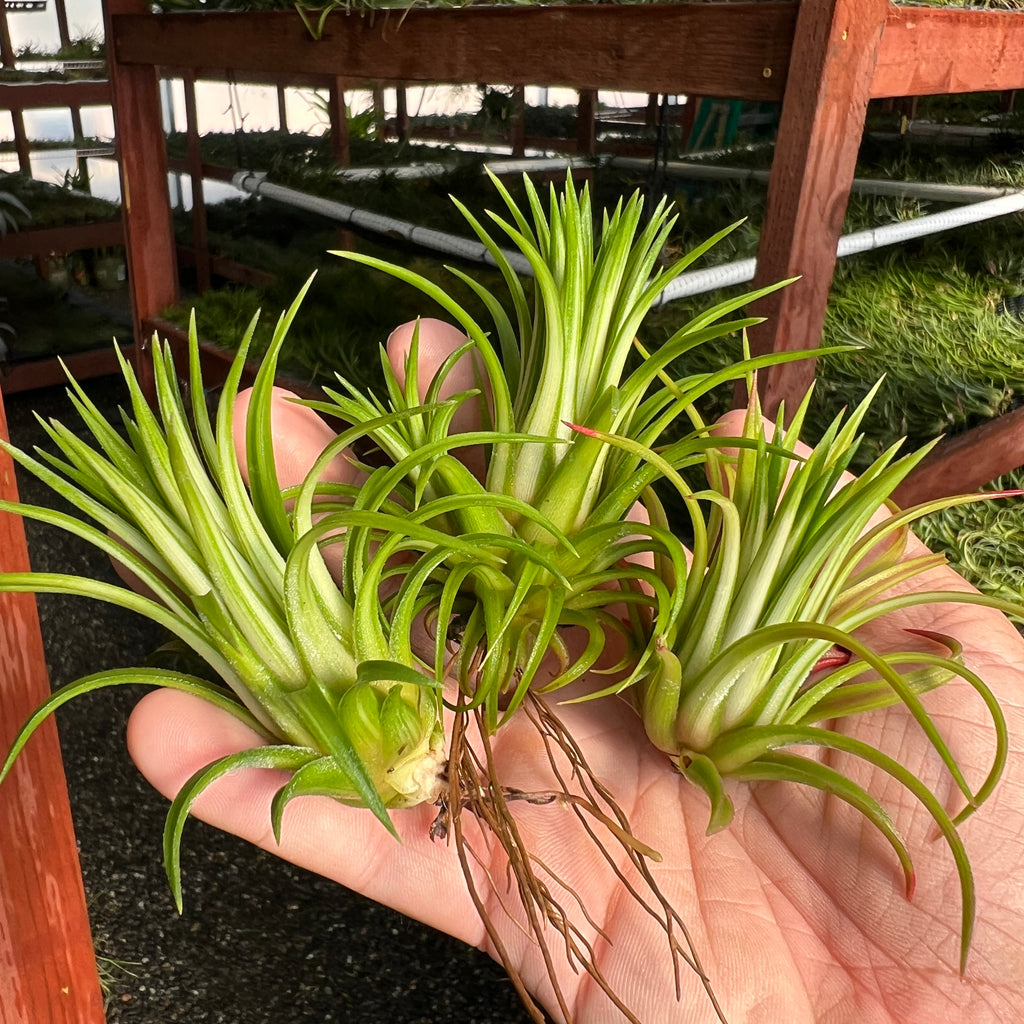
(580, 429)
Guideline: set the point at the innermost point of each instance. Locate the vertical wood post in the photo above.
(81, 162)
(21, 144)
(6, 48)
(49, 964)
(149, 238)
(401, 114)
(651, 110)
(586, 124)
(62, 23)
(194, 159)
(282, 109)
(380, 114)
(517, 127)
(835, 49)
(339, 123)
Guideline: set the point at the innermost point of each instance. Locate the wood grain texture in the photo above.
(45, 373)
(738, 49)
(962, 464)
(146, 210)
(926, 52)
(820, 129)
(47, 963)
(68, 238)
(29, 95)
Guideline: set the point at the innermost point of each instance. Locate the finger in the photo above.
(299, 436)
(436, 342)
(171, 735)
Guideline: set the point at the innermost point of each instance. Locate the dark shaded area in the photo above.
(259, 940)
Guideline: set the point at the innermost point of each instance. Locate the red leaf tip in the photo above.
(586, 431)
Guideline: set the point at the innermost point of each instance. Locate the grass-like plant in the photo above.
(501, 539)
(551, 505)
(792, 557)
(328, 672)
(223, 568)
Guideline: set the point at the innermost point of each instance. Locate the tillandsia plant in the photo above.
(224, 569)
(553, 507)
(538, 539)
(791, 559)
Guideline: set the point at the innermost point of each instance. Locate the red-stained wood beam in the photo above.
(586, 122)
(962, 464)
(401, 113)
(45, 373)
(819, 134)
(194, 161)
(68, 238)
(142, 158)
(21, 144)
(6, 49)
(339, 122)
(729, 50)
(932, 51)
(49, 965)
(63, 34)
(517, 122)
(27, 95)
(282, 107)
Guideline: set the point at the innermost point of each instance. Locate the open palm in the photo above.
(797, 910)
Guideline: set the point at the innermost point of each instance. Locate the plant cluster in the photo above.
(498, 494)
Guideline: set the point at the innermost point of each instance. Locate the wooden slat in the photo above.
(149, 238)
(736, 49)
(927, 52)
(48, 970)
(194, 161)
(962, 464)
(812, 172)
(44, 373)
(64, 239)
(29, 95)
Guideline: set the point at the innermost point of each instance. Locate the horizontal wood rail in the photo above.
(47, 372)
(669, 49)
(31, 95)
(927, 51)
(63, 239)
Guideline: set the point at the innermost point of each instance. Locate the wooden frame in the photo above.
(824, 60)
(49, 965)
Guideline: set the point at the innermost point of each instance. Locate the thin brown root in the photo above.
(474, 786)
(587, 807)
(459, 746)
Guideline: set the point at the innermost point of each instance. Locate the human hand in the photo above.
(793, 921)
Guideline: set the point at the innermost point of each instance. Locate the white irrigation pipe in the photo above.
(699, 281)
(465, 248)
(937, 191)
(412, 171)
(695, 282)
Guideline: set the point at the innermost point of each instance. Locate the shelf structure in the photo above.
(49, 963)
(38, 243)
(824, 60)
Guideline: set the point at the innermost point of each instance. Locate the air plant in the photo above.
(327, 672)
(223, 568)
(499, 538)
(556, 514)
(791, 559)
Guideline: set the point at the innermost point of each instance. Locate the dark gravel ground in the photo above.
(259, 941)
